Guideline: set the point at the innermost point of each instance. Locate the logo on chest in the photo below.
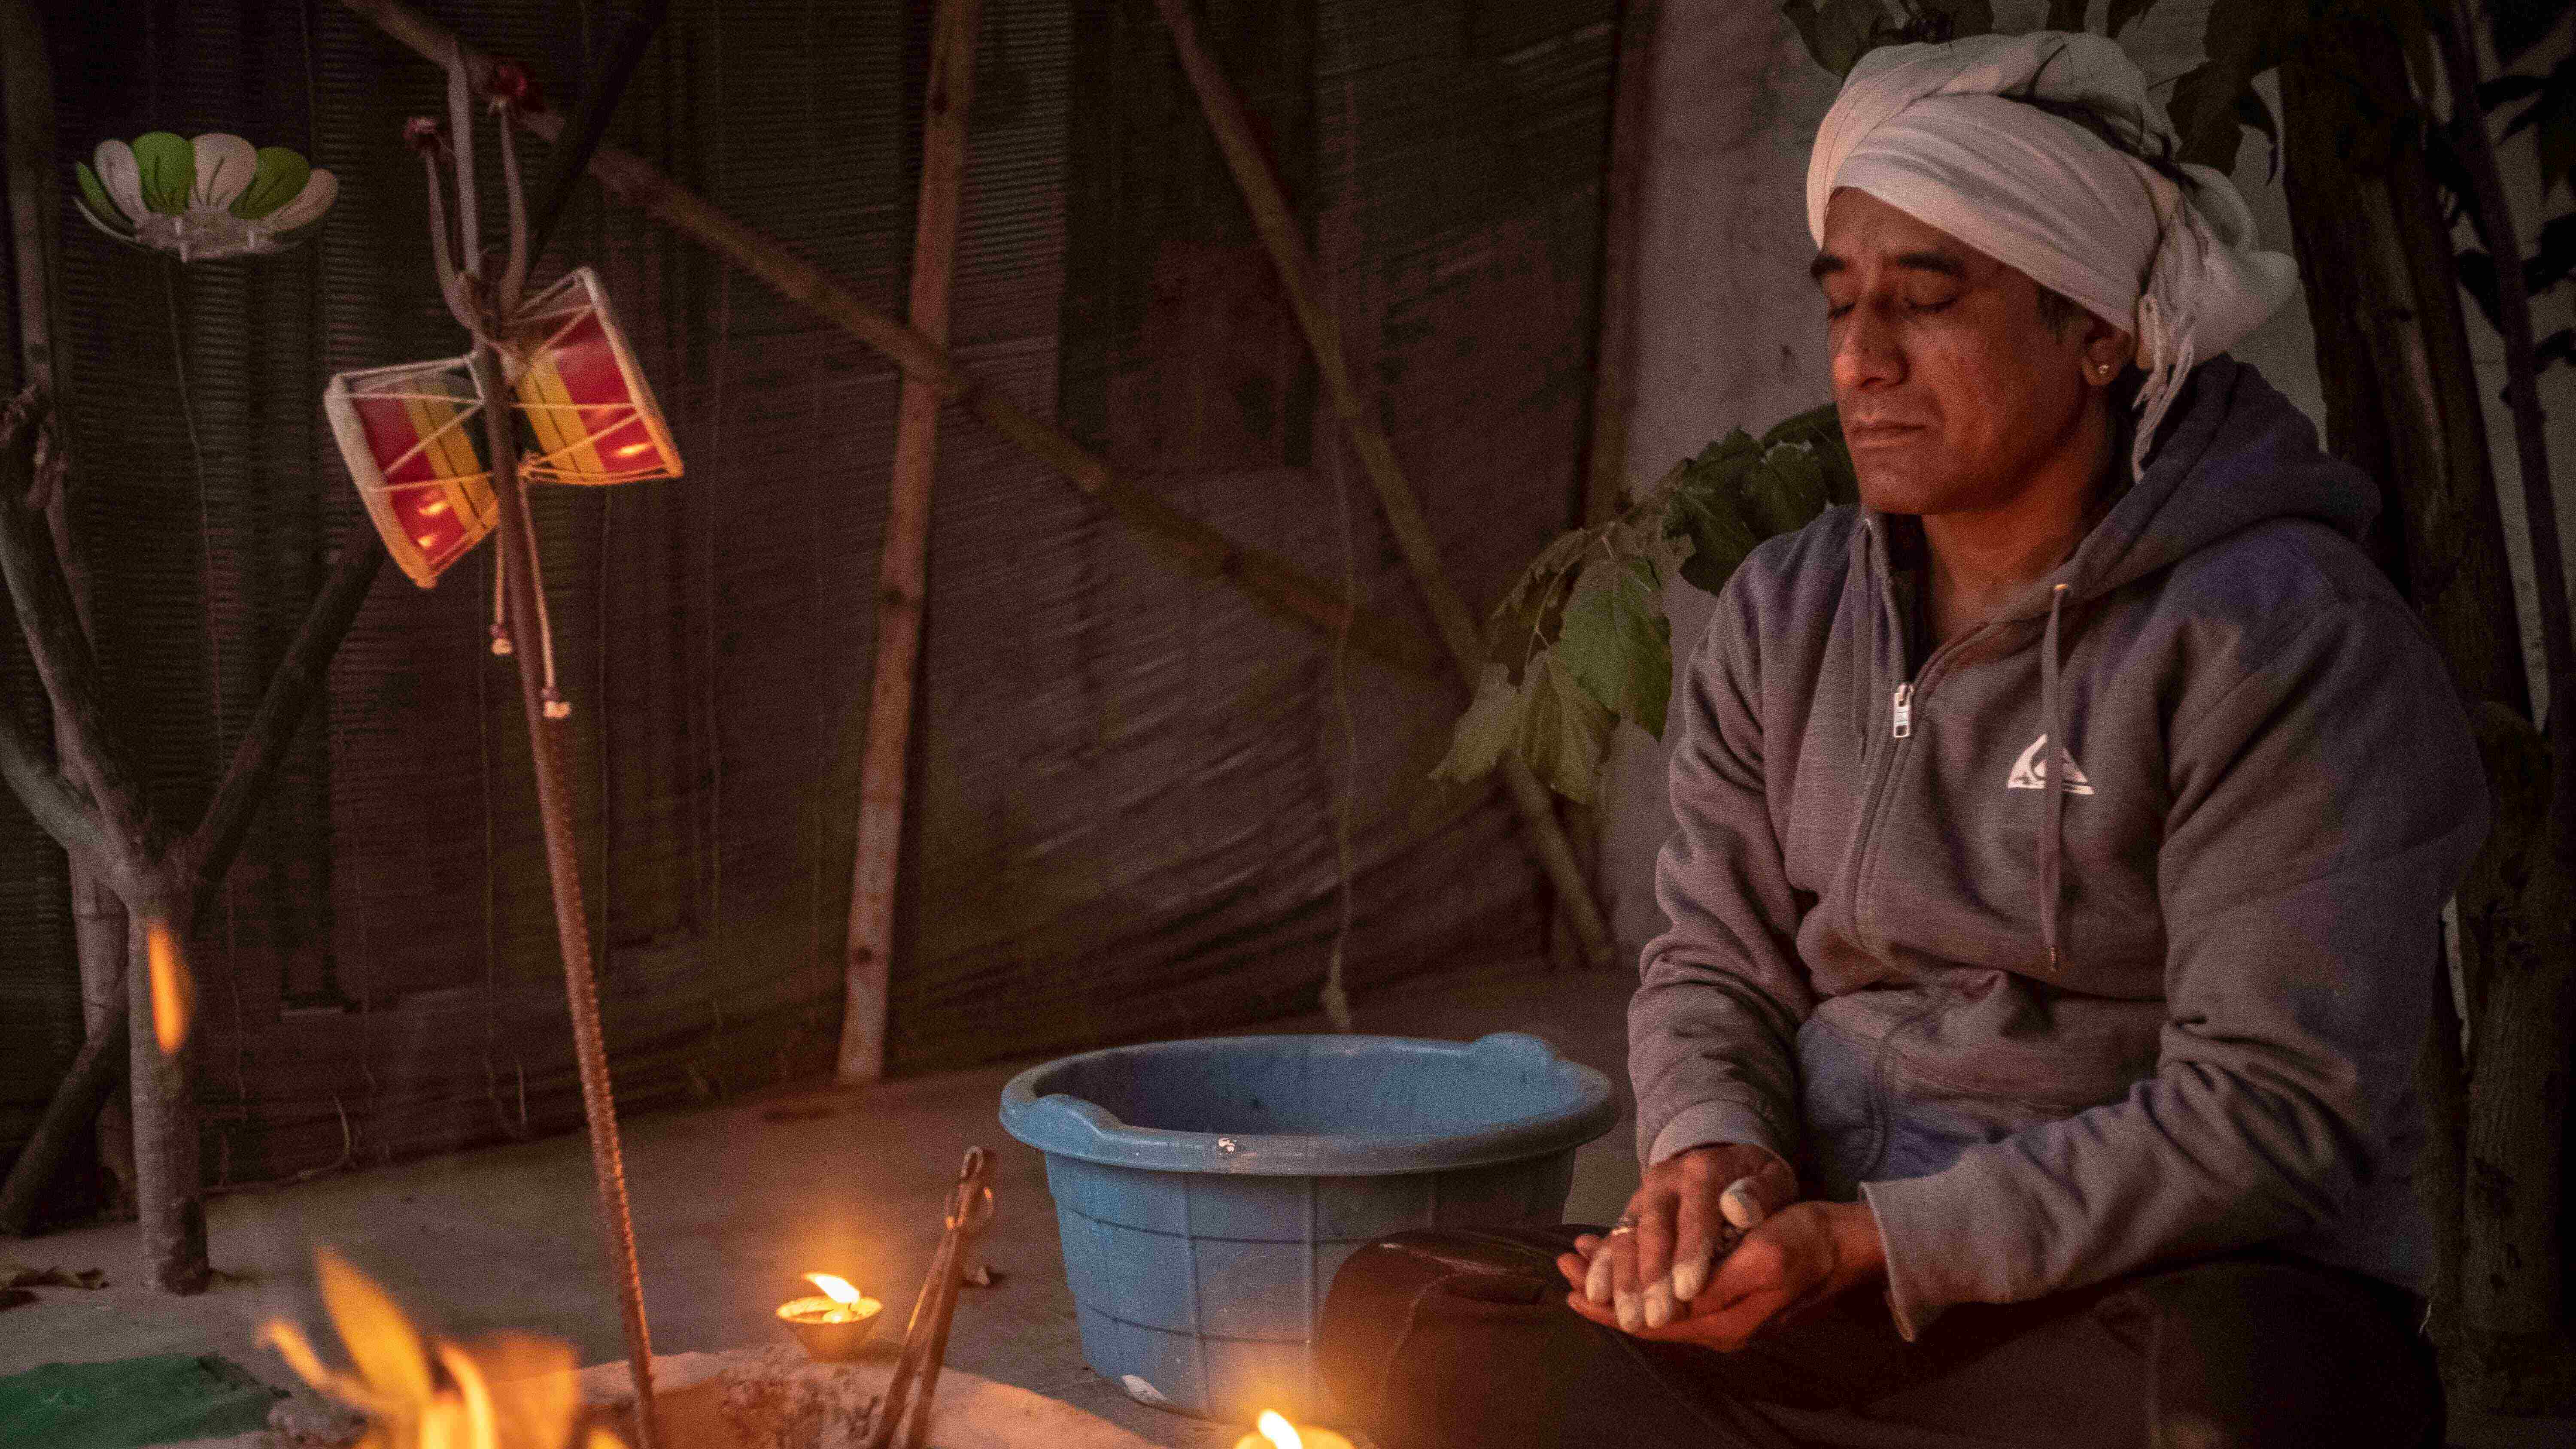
(2030, 772)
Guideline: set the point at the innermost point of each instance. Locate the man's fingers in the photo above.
(1573, 1267)
(1774, 1187)
(1626, 1290)
(1654, 1240)
(1743, 1205)
(1694, 1247)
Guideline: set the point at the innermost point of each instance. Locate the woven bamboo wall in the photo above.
(1128, 783)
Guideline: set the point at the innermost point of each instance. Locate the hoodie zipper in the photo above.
(1903, 714)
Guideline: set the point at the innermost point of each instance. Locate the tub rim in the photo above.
(1061, 1124)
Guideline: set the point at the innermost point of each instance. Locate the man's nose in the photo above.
(1866, 349)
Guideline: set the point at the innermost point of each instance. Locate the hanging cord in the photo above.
(491, 314)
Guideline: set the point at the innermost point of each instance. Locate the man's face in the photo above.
(1956, 395)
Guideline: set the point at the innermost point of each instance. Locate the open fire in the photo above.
(502, 1391)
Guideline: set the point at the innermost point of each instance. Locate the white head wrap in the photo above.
(1929, 130)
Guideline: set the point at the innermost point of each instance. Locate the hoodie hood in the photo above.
(2233, 454)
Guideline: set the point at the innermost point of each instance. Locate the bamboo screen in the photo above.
(1128, 779)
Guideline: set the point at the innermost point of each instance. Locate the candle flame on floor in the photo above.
(836, 1289)
(504, 1391)
(171, 989)
(1279, 1431)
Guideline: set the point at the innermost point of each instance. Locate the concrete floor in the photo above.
(731, 1204)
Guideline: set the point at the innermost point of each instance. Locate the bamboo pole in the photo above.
(1622, 213)
(1269, 579)
(1456, 626)
(1614, 347)
(902, 575)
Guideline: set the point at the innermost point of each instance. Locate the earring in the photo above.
(2102, 371)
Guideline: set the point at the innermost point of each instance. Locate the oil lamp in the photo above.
(833, 1324)
(1274, 1432)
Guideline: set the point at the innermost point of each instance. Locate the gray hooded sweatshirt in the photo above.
(2102, 937)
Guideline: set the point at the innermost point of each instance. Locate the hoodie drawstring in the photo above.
(2053, 770)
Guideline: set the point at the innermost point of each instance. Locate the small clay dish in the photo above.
(830, 1333)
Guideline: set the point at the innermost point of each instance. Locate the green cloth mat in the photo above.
(131, 1402)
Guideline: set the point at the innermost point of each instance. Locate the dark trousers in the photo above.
(1451, 1338)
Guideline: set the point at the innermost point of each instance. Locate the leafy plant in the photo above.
(1581, 641)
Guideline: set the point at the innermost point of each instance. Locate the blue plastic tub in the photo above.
(1207, 1190)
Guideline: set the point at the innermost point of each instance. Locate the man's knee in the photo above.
(1417, 1319)
(2263, 1351)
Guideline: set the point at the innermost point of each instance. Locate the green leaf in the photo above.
(2555, 94)
(1617, 643)
(2557, 146)
(1524, 612)
(2478, 278)
(1837, 32)
(101, 207)
(1561, 732)
(2252, 110)
(279, 179)
(168, 166)
(1788, 491)
(1954, 19)
(1719, 537)
(1816, 427)
(2518, 25)
(1564, 732)
(1485, 730)
(2553, 256)
(2122, 12)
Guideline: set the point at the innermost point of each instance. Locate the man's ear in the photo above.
(2107, 350)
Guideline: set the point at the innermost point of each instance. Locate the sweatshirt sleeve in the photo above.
(1712, 1030)
(2323, 807)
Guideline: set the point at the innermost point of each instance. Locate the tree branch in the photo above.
(50, 798)
(580, 135)
(43, 599)
(67, 1116)
(290, 692)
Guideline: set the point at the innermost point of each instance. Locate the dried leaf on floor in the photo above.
(19, 1275)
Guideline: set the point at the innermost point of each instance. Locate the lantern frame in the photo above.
(582, 397)
(436, 469)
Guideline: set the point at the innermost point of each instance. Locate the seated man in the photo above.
(2062, 836)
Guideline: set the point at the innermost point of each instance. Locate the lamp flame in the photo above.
(1281, 1433)
(836, 1289)
(508, 1391)
(171, 988)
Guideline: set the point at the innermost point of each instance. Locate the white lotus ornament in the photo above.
(206, 199)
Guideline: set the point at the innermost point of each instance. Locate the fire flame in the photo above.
(171, 989)
(841, 1303)
(1281, 1433)
(507, 1391)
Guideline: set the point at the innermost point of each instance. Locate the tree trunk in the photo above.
(2404, 403)
(172, 1209)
